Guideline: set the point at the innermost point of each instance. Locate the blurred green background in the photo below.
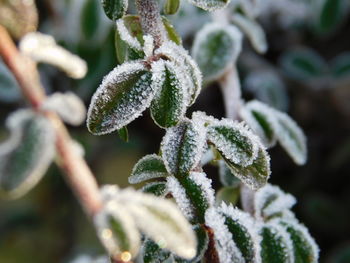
(48, 225)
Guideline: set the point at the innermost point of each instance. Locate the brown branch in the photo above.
(77, 172)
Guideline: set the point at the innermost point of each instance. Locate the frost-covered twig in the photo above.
(77, 172)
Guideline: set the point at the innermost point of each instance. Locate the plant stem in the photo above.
(151, 21)
(77, 172)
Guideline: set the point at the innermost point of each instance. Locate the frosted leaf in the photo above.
(215, 48)
(305, 247)
(148, 46)
(291, 137)
(27, 154)
(153, 253)
(227, 194)
(169, 104)
(226, 176)
(261, 120)
(268, 87)
(68, 106)
(89, 259)
(251, 8)
(190, 70)
(182, 147)
(179, 194)
(227, 250)
(125, 33)
(43, 48)
(171, 31)
(161, 221)
(207, 157)
(122, 97)
(243, 230)
(271, 200)
(255, 175)
(210, 5)
(234, 141)
(116, 229)
(202, 117)
(115, 9)
(156, 188)
(253, 30)
(276, 245)
(201, 179)
(148, 167)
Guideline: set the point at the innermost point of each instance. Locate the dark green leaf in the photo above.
(171, 32)
(152, 253)
(156, 188)
(115, 9)
(149, 167)
(124, 134)
(25, 157)
(330, 15)
(171, 6)
(123, 95)
(90, 18)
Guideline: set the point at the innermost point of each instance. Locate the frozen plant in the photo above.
(155, 71)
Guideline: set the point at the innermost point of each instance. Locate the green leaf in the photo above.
(304, 246)
(330, 14)
(226, 176)
(210, 5)
(234, 141)
(255, 175)
(27, 154)
(117, 230)
(90, 18)
(171, 7)
(115, 9)
(228, 194)
(148, 167)
(9, 90)
(168, 106)
(202, 245)
(182, 147)
(123, 95)
(216, 47)
(153, 253)
(303, 64)
(340, 66)
(276, 245)
(171, 31)
(124, 134)
(156, 188)
(253, 30)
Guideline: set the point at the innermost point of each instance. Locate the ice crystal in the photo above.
(210, 5)
(224, 244)
(215, 48)
(148, 46)
(253, 30)
(68, 105)
(126, 36)
(122, 97)
(235, 141)
(148, 167)
(182, 147)
(271, 200)
(201, 179)
(179, 194)
(43, 48)
(27, 154)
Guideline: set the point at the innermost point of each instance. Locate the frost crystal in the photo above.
(182, 147)
(201, 179)
(179, 194)
(270, 200)
(122, 97)
(27, 154)
(43, 48)
(227, 249)
(148, 45)
(126, 36)
(235, 141)
(68, 105)
(210, 5)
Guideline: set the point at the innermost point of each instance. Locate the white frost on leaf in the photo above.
(68, 106)
(126, 36)
(179, 194)
(253, 30)
(235, 141)
(247, 222)
(224, 244)
(270, 200)
(28, 132)
(201, 179)
(210, 5)
(182, 146)
(90, 259)
(148, 46)
(43, 48)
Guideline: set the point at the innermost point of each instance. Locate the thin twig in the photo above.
(77, 172)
